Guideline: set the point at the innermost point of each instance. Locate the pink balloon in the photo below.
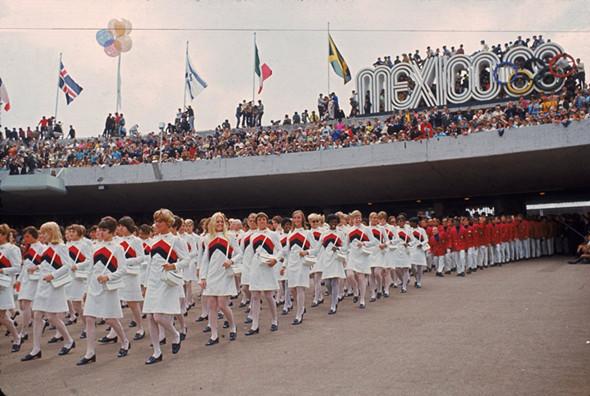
(112, 50)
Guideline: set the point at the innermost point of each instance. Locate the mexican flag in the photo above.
(263, 72)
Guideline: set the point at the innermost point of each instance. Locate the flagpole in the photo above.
(328, 60)
(57, 90)
(185, 75)
(254, 72)
(118, 85)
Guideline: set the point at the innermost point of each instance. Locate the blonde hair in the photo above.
(213, 221)
(5, 230)
(164, 215)
(53, 232)
(356, 213)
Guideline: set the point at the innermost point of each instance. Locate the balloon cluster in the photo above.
(115, 39)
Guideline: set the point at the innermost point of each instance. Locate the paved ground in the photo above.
(523, 329)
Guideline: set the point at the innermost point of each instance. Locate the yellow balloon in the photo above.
(123, 43)
(119, 28)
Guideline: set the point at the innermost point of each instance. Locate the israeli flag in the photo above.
(194, 83)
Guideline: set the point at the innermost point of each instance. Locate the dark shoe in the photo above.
(233, 335)
(132, 324)
(15, 347)
(219, 315)
(212, 341)
(379, 294)
(355, 299)
(332, 312)
(152, 360)
(440, 275)
(248, 321)
(285, 312)
(83, 335)
(70, 322)
(182, 336)
(320, 301)
(123, 352)
(207, 329)
(139, 336)
(107, 340)
(247, 311)
(297, 322)
(274, 327)
(385, 294)
(84, 361)
(418, 286)
(448, 273)
(225, 324)
(201, 318)
(28, 357)
(461, 274)
(244, 304)
(403, 290)
(65, 350)
(175, 348)
(314, 304)
(372, 299)
(55, 340)
(362, 306)
(251, 332)
(101, 322)
(24, 338)
(163, 341)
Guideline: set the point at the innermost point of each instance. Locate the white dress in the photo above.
(283, 239)
(262, 276)
(418, 246)
(331, 264)
(109, 259)
(247, 254)
(31, 259)
(359, 241)
(390, 232)
(56, 261)
(377, 257)
(10, 263)
(298, 272)
(132, 248)
(190, 273)
(220, 280)
(146, 244)
(400, 254)
(81, 255)
(317, 234)
(160, 297)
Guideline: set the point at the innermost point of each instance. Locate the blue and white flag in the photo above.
(194, 83)
(68, 85)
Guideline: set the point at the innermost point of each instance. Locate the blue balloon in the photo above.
(104, 37)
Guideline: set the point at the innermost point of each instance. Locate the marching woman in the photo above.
(401, 254)
(316, 222)
(377, 257)
(418, 248)
(203, 225)
(388, 270)
(247, 254)
(81, 254)
(284, 292)
(164, 286)
(145, 234)
(10, 266)
(28, 281)
(300, 244)
(190, 274)
(360, 240)
(264, 272)
(331, 259)
(235, 230)
(104, 283)
(217, 274)
(50, 298)
(134, 254)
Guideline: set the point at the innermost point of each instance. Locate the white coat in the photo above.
(220, 280)
(10, 263)
(55, 260)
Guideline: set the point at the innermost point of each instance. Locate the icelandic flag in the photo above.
(194, 83)
(68, 85)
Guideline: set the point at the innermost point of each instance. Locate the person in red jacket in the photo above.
(447, 224)
(482, 249)
(471, 242)
(489, 232)
(437, 242)
(458, 234)
(497, 241)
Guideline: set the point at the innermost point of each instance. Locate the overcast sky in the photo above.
(153, 71)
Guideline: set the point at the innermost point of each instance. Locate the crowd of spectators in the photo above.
(24, 155)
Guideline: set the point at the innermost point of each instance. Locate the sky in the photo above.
(153, 71)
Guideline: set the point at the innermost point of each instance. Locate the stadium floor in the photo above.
(522, 329)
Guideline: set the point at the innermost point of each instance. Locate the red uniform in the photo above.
(438, 244)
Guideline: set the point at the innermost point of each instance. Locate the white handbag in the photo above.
(366, 251)
(61, 280)
(114, 285)
(35, 276)
(133, 269)
(341, 255)
(5, 280)
(310, 261)
(172, 278)
(80, 274)
(265, 258)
